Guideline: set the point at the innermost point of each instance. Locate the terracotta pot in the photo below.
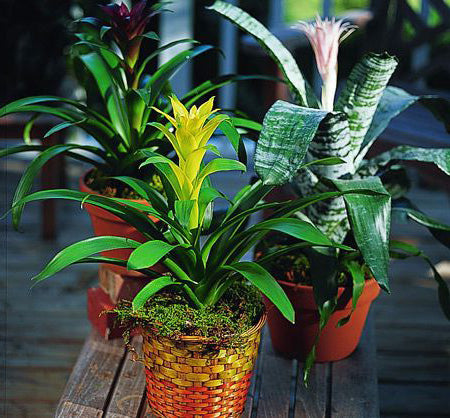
(188, 377)
(296, 340)
(105, 223)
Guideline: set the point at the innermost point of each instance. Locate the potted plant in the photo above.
(200, 322)
(108, 61)
(344, 129)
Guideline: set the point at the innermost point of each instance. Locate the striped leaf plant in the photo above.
(107, 59)
(345, 128)
(202, 268)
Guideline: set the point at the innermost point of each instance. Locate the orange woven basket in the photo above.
(188, 378)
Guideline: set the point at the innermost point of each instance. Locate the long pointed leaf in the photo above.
(276, 50)
(362, 93)
(394, 101)
(150, 289)
(148, 254)
(82, 249)
(264, 281)
(370, 219)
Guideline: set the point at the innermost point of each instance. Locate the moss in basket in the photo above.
(171, 315)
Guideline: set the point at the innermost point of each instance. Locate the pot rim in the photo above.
(83, 185)
(207, 340)
(307, 287)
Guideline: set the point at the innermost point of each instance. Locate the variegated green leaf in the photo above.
(287, 131)
(370, 220)
(394, 101)
(438, 156)
(362, 92)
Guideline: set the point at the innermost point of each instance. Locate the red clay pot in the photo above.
(105, 223)
(296, 340)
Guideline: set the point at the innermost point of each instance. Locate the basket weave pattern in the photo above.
(188, 378)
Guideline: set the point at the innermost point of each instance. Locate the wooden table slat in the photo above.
(92, 377)
(312, 401)
(275, 373)
(354, 383)
(127, 396)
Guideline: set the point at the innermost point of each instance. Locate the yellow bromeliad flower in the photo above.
(192, 131)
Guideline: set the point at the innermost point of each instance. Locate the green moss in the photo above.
(171, 315)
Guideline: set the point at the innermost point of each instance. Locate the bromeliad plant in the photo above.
(345, 129)
(202, 270)
(120, 94)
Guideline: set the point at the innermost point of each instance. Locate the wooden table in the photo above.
(106, 383)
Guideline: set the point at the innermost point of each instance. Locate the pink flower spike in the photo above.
(325, 37)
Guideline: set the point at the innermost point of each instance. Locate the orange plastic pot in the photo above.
(188, 377)
(105, 223)
(296, 340)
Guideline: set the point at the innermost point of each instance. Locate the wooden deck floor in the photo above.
(43, 329)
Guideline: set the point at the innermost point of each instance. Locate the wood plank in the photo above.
(26, 408)
(410, 400)
(312, 401)
(127, 396)
(274, 393)
(69, 409)
(408, 339)
(354, 387)
(256, 372)
(418, 368)
(93, 375)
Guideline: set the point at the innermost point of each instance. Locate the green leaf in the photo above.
(183, 210)
(82, 249)
(264, 281)
(27, 129)
(148, 254)
(272, 46)
(151, 35)
(404, 250)
(147, 192)
(150, 289)
(370, 221)
(28, 177)
(438, 156)
(130, 215)
(159, 51)
(108, 90)
(246, 123)
(403, 208)
(324, 161)
(286, 134)
(293, 227)
(62, 126)
(221, 164)
(170, 68)
(104, 30)
(358, 281)
(394, 101)
(362, 93)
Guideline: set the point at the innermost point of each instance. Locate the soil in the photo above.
(108, 187)
(294, 267)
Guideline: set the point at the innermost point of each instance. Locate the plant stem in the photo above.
(193, 297)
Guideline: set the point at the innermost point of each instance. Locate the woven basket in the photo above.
(188, 378)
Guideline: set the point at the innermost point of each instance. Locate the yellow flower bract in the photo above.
(190, 139)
